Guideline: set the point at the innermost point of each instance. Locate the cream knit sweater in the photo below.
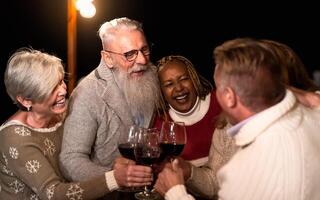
(279, 156)
(204, 181)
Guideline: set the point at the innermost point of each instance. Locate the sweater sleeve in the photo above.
(30, 166)
(178, 192)
(204, 180)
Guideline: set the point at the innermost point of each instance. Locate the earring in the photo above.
(28, 108)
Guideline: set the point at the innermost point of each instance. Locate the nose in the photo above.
(142, 59)
(63, 87)
(178, 86)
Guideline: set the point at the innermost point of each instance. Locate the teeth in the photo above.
(59, 105)
(181, 97)
(61, 101)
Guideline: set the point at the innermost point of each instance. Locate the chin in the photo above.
(183, 110)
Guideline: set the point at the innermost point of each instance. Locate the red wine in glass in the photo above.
(147, 152)
(171, 149)
(172, 139)
(147, 160)
(127, 150)
(126, 145)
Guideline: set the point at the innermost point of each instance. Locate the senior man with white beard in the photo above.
(123, 90)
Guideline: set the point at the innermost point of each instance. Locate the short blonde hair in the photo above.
(32, 74)
(252, 70)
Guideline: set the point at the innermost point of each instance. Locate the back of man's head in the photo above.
(252, 71)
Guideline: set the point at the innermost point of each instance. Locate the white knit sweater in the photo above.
(279, 156)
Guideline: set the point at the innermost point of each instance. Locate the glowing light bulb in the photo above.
(86, 7)
(80, 3)
(88, 11)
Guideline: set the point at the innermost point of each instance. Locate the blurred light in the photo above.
(82, 3)
(86, 7)
(88, 11)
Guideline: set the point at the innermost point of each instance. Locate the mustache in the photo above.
(139, 67)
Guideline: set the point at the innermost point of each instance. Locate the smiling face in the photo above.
(124, 43)
(55, 103)
(177, 87)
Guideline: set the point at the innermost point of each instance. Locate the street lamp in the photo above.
(87, 10)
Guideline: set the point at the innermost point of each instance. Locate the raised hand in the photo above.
(170, 176)
(128, 174)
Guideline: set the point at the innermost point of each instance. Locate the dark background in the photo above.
(188, 28)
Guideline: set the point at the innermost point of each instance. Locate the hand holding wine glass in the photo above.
(172, 139)
(126, 145)
(147, 152)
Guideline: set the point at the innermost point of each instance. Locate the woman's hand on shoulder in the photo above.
(309, 99)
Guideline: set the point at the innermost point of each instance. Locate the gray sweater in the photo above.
(98, 116)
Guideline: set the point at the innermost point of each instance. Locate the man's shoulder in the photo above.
(88, 85)
(311, 115)
(87, 92)
(87, 81)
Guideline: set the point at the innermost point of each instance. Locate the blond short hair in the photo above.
(253, 71)
(32, 74)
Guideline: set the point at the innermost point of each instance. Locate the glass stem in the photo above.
(146, 190)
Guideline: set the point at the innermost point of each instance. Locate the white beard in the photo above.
(141, 93)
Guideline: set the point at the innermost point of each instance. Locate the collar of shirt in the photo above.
(235, 129)
(193, 116)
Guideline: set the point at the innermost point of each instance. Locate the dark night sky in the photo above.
(174, 26)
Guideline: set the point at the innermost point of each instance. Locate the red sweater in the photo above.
(199, 134)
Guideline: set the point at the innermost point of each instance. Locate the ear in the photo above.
(230, 97)
(23, 101)
(107, 59)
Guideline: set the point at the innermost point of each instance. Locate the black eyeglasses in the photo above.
(132, 55)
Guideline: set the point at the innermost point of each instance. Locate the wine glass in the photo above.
(172, 139)
(147, 152)
(126, 146)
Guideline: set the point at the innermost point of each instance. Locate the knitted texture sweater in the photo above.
(98, 116)
(30, 170)
(278, 156)
(203, 181)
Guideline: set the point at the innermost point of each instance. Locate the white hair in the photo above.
(142, 94)
(108, 30)
(32, 74)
